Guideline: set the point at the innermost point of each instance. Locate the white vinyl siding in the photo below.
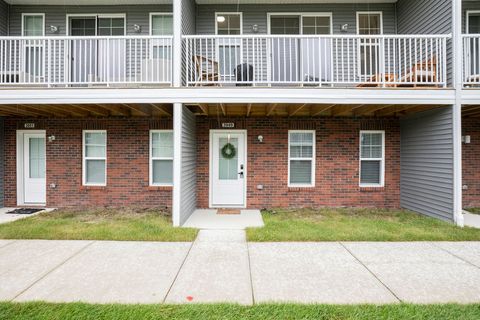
(94, 157)
(372, 158)
(161, 158)
(301, 158)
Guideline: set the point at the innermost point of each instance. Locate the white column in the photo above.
(457, 111)
(177, 43)
(177, 163)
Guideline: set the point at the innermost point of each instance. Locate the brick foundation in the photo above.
(127, 163)
(337, 164)
(471, 163)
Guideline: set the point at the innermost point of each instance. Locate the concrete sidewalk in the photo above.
(220, 266)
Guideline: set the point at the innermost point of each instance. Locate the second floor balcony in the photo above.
(471, 60)
(125, 61)
(317, 61)
(393, 61)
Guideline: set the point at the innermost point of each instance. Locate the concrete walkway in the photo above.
(220, 266)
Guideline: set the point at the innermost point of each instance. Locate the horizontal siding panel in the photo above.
(257, 14)
(188, 192)
(426, 169)
(3, 18)
(56, 15)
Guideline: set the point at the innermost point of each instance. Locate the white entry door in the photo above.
(34, 167)
(228, 169)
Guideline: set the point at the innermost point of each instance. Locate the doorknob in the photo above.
(241, 174)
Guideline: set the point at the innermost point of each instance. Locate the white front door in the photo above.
(34, 167)
(228, 169)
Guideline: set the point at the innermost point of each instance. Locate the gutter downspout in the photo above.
(457, 112)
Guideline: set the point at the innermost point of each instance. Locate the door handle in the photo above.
(241, 174)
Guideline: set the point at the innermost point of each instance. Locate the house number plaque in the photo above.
(29, 125)
(229, 125)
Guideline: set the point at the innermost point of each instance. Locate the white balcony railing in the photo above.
(471, 60)
(330, 60)
(84, 61)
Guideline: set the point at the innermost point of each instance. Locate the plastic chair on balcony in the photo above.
(207, 71)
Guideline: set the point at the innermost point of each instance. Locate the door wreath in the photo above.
(229, 151)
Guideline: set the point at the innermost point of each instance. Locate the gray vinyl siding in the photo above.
(3, 18)
(188, 192)
(188, 16)
(426, 178)
(56, 15)
(188, 28)
(2, 161)
(427, 17)
(257, 14)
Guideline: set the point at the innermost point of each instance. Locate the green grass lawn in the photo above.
(473, 210)
(78, 311)
(355, 225)
(98, 224)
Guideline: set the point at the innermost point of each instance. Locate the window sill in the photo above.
(301, 189)
(87, 187)
(372, 188)
(154, 188)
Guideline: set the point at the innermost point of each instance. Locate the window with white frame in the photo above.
(229, 50)
(95, 157)
(372, 158)
(369, 23)
(33, 25)
(161, 157)
(161, 24)
(301, 158)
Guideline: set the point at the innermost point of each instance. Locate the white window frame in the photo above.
(314, 156)
(382, 161)
(151, 159)
(153, 14)
(154, 43)
(96, 16)
(84, 158)
(467, 23)
(34, 45)
(30, 15)
(359, 58)
(229, 43)
(228, 13)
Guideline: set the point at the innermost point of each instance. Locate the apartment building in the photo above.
(241, 104)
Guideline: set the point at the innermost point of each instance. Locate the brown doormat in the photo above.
(228, 211)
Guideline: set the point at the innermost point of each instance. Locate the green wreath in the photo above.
(229, 151)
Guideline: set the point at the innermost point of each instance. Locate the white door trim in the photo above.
(210, 164)
(20, 166)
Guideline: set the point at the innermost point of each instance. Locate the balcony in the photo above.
(61, 61)
(391, 61)
(471, 60)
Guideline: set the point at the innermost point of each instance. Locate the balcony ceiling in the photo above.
(149, 110)
(306, 110)
(86, 2)
(291, 1)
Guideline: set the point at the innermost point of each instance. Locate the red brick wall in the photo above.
(337, 164)
(127, 163)
(471, 163)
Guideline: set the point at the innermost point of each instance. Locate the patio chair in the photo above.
(207, 71)
(421, 73)
(376, 81)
